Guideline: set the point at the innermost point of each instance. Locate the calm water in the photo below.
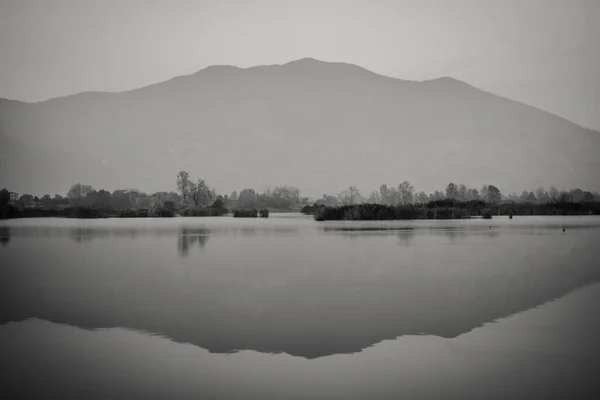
(287, 307)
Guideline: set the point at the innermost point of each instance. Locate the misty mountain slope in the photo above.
(19, 164)
(319, 126)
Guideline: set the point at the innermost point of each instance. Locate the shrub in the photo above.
(203, 212)
(130, 213)
(10, 212)
(219, 204)
(384, 212)
(366, 212)
(161, 212)
(245, 213)
(264, 213)
(447, 213)
(310, 210)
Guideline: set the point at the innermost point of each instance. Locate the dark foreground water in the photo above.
(288, 308)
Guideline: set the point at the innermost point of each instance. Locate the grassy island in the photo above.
(445, 209)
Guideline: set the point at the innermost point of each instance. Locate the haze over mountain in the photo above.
(315, 125)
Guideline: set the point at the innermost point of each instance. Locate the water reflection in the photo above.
(544, 353)
(405, 234)
(80, 235)
(190, 237)
(4, 235)
(85, 233)
(297, 289)
(460, 235)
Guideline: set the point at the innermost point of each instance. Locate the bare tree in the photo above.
(406, 193)
(523, 197)
(421, 198)
(389, 195)
(539, 194)
(201, 195)
(349, 196)
(576, 195)
(437, 195)
(553, 194)
(185, 186)
(462, 192)
(513, 197)
(79, 191)
(374, 197)
(483, 193)
(472, 194)
(452, 191)
(287, 193)
(493, 194)
(385, 194)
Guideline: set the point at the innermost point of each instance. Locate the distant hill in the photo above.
(316, 125)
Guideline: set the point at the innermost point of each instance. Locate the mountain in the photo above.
(316, 125)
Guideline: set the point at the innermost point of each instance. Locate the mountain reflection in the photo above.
(311, 294)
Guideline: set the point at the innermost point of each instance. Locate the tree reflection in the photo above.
(189, 237)
(4, 235)
(81, 235)
(458, 235)
(405, 236)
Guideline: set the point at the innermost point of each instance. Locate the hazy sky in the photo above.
(544, 53)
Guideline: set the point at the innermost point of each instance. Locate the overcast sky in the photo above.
(544, 53)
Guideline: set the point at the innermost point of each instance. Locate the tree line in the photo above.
(192, 197)
(196, 195)
(404, 194)
(199, 194)
(456, 201)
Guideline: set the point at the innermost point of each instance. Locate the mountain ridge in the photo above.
(440, 79)
(310, 116)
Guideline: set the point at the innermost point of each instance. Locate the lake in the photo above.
(286, 307)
